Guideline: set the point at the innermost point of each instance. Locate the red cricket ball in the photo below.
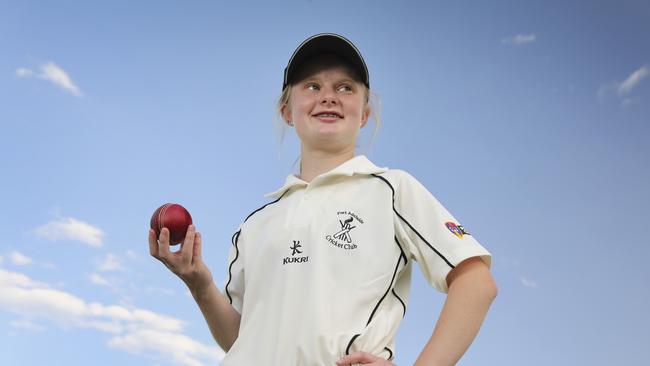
(175, 218)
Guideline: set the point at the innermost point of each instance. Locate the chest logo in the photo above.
(295, 249)
(342, 238)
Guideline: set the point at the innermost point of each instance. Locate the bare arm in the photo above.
(223, 320)
(471, 291)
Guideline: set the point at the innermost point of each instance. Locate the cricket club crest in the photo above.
(342, 238)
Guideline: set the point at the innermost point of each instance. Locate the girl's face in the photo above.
(327, 108)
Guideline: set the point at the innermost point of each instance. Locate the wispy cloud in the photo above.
(528, 282)
(159, 291)
(131, 254)
(605, 89)
(110, 263)
(24, 72)
(633, 80)
(98, 280)
(53, 73)
(19, 259)
(26, 324)
(519, 39)
(622, 89)
(71, 229)
(628, 102)
(134, 330)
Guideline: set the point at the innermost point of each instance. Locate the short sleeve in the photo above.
(234, 288)
(434, 238)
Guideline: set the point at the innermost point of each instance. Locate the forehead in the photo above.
(322, 63)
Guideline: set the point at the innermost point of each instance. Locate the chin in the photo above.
(331, 143)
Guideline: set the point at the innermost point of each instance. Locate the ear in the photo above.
(285, 111)
(364, 116)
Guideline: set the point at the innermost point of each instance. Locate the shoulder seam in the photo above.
(269, 203)
(409, 224)
(235, 240)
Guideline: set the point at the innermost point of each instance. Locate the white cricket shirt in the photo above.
(324, 269)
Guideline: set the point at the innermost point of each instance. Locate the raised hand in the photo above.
(186, 263)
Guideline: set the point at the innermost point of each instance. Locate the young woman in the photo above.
(320, 275)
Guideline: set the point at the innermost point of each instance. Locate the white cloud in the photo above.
(159, 291)
(19, 259)
(633, 80)
(130, 329)
(98, 280)
(623, 88)
(186, 350)
(519, 39)
(528, 282)
(26, 324)
(605, 89)
(110, 263)
(54, 74)
(23, 72)
(16, 279)
(71, 229)
(48, 265)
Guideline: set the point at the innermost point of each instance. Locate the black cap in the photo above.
(327, 43)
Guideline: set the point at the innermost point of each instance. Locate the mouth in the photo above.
(328, 116)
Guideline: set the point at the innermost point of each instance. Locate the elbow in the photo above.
(473, 275)
(226, 344)
(490, 288)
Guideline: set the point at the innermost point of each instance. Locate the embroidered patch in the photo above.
(342, 238)
(456, 229)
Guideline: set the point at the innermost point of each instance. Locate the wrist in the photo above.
(200, 288)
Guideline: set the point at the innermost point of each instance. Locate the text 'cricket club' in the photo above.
(342, 238)
(295, 249)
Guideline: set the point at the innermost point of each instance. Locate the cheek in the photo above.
(358, 109)
(300, 107)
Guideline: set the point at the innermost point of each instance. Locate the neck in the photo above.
(314, 163)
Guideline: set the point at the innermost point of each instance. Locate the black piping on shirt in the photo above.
(390, 353)
(411, 226)
(347, 349)
(400, 300)
(235, 239)
(405, 263)
(390, 286)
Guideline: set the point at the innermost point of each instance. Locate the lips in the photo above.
(328, 116)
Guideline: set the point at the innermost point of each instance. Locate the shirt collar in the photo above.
(357, 165)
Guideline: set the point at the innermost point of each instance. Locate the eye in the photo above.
(312, 86)
(345, 88)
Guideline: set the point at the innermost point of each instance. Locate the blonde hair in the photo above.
(372, 101)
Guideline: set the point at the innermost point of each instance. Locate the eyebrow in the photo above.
(343, 80)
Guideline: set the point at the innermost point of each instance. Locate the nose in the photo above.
(329, 97)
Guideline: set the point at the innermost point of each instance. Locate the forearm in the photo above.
(467, 303)
(223, 320)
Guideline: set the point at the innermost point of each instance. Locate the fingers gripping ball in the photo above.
(175, 218)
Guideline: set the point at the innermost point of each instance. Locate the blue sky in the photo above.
(530, 121)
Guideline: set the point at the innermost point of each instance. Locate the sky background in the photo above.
(529, 121)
